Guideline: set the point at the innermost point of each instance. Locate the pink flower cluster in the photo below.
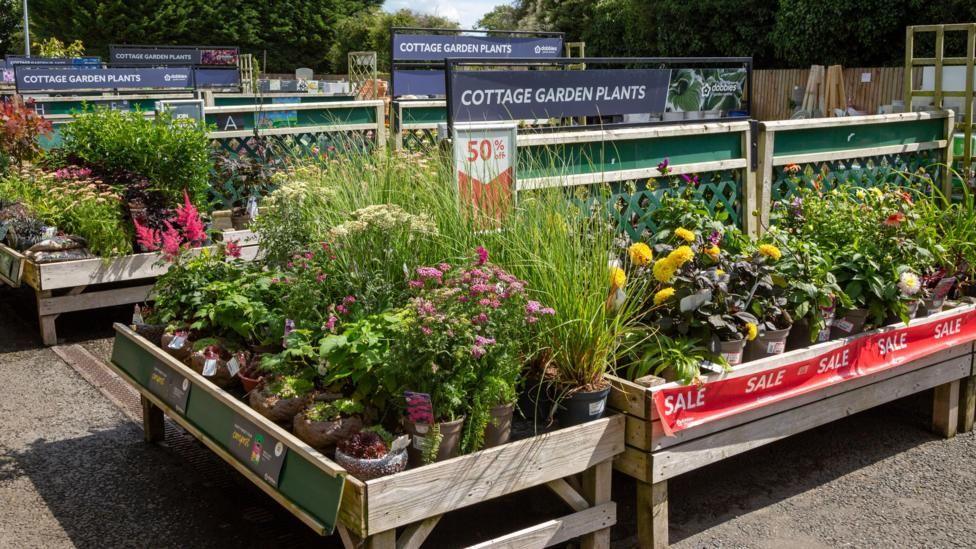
(184, 231)
(534, 309)
(72, 172)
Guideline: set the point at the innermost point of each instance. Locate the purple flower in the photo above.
(480, 288)
(714, 238)
(416, 283)
(477, 351)
(690, 179)
(341, 309)
(444, 267)
(330, 324)
(348, 300)
(480, 320)
(463, 299)
(429, 273)
(482, 341)
(533, 307)
(482, 255)
(663, 167)
(484, 302)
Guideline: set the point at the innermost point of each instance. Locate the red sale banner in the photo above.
(680, 408)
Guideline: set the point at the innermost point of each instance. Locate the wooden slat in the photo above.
(556, 531)
(414, 495)
(831, 156)
(570, 180)
(568, 494)
(93, 300)
(627, 397)
(626, 134)
(634, 463)
(415, 534)
(698, 453)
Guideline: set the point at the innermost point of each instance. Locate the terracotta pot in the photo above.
(221, 376)
(581, 407)
(499, 428)
(450, 443)
(249, 383)
(367, 469)
(768, 343)
(731, 351)
(181, 353)
(322, 434)
(281, 410)
(851, 323)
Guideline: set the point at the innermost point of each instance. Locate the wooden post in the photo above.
(382, 540)
(750, 191)
(967, 403)
(396, 115)
(764, 175)
(596, 489)
(153, 428)
(49, 331)
(652, 515)
(945, 409)
(381, 144)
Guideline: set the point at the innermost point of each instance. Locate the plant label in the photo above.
(170, 386)
(775, 347)
(733, 358)
(177, 342)
(137, 316)
(419, 407)
(210, 367)
(824, 335)
(596, 408)
(233, 366)
(256, 449)
(711, 367)
(844, 325)
(252, 207)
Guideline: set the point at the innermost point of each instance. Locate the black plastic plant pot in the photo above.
(536, 400)
(850, 324)
(768, 343)
(581, 407)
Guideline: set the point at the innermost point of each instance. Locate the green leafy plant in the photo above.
(333, 409)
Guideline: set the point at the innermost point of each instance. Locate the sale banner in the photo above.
(485, 167)
(688, 406)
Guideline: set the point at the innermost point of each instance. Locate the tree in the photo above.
(369, 30)
(9, 25)
(502, 17)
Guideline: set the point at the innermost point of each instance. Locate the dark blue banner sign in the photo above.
(519, 95)
(13, 60)
(37, 78)
(173, 56)
(418, 82)
(216, 78)
(437, 47)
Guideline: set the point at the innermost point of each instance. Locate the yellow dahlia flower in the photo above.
(663, 295)
(640, 254)
(751, 331)
(684, 234)
(664, 270)
(770, 251)
(617, 277)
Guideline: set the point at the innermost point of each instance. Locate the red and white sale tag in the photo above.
(484, 159)
(683, 407)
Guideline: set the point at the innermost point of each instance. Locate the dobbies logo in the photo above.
(722, 87)
(548, 50)
(170, 77)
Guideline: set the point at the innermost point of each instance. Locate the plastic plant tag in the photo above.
(252, 207)
(178, 341)
(596, 408)
(210, 367)
(775, 347)
(734, 358)
(400, 443)
(49, 232)
(233, 366)
(711, 367)
(844, 325)
(137, 316)
(419, 407)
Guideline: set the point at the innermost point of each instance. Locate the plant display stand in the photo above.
(368, 513)
(70, 286)
(673, 429)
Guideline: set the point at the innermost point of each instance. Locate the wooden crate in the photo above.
(83, 284)
(652, 457)
(370, 512)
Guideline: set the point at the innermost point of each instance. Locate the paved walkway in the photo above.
(74, 472)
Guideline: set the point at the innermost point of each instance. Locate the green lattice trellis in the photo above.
(301, 144)
(865, 172)
(419, 140)
(631, 202)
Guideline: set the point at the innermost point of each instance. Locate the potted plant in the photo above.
(323, 423)
(372, 453)
(210, 359)
(282, 398)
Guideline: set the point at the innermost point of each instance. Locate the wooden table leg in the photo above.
(596, 486)
(652, 515)
(153, 427)
(49, 332)
(945, 409)
(967, 404)
(382, 540)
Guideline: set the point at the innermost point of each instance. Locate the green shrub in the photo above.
(172, 155)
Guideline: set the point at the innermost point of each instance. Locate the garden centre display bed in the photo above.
(68, 286)
(673, 429)
(325, 497)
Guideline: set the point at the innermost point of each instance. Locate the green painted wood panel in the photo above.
(316, 492)
(423, 115)
(861, 136)
(297, 98)
(245, 118)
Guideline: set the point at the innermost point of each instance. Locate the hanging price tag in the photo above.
(485, 168)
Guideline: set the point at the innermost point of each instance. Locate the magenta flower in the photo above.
(663, 167)
(426, 330)
(484, 302)
(444, 267)
(321, 277)
(348, 300)
(330, 324)
(429, 273)
(232, 249)
(477, 351)
(482, 341)
(416, 283)
(482, 255)
(480, 320)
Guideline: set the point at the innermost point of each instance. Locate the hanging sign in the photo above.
(706, 89)
(13, 60)
(484, 160)
(680, 408)
(418, 82)
(438, 47)
(541, 94)
(216, 78)
(38, 78)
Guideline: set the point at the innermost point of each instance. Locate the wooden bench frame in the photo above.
(70, 286)
(575, 463)
(652, 458)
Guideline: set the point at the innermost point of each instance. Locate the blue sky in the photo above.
(467, 12)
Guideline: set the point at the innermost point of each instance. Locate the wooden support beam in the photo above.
(382, 540)
(652, 515)
(556, 531)
(568, 494)
(945, 409)
(967, 404)
(415, 534)
(153, 427)
(596, 490)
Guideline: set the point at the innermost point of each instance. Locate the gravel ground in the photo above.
(74, 472)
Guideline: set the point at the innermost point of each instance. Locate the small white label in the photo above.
(252, 207)
(210, 367)
(49, 232)
(177, 342)
(137, 316)
(596, 408)
(865, 77)
(711, 367)
(279, 448)
(233, 366)
(823, 335)
(844, 325)
(775, 347)
(419, 443)
(733, 358)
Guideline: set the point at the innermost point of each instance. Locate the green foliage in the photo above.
(369, 30)
(333, 409)
(10, 22)
(290, 387)
(173, 156)
(52, 47)
(679, 358)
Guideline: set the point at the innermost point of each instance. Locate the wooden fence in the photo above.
(775, 87)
